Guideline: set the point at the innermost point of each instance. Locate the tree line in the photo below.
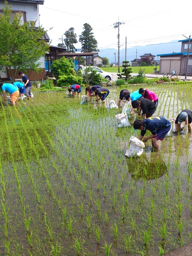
(87, 40)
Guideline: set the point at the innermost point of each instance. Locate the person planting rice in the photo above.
(122, 95)
(91, 93)
(89, 89)
(182, 117)
(75, 88)
(148, 107)
(27, 84)
(12, 90)
(135, 95)
(159, 126)
(21, 88)
(149, 95)
(102, 93)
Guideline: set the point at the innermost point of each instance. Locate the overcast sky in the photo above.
(146, 21)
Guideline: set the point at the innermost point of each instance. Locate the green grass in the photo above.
(147, 69)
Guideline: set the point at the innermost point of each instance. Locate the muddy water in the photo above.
(63, 157)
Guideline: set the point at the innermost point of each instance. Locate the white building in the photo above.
(30, 12)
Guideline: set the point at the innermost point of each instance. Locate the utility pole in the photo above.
(115, 57)
(117, 25)
(62, 40)
(125, 48)
(136, 54)
(186, 68)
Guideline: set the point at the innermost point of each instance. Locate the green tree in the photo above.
(61, 45)
(21, 45)
(87, 39)
(105, 61)
(126, 71)
(70, 40)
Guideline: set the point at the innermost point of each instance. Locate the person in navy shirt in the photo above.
(91, 91)
(27, 84)
(75, 88)
(101, 93)
(159, 126)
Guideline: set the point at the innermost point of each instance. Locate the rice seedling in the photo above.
(107, 249)
(98, 234)
(66, 165)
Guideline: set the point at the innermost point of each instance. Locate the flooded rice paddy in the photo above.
(66, 187)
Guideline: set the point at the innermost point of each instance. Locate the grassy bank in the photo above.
(147, 69)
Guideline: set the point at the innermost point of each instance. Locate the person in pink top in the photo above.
(149, 95)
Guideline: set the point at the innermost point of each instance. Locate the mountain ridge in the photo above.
(132, 52)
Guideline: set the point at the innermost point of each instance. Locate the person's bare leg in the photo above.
(189, 128)
(155, 144)
(177, 128)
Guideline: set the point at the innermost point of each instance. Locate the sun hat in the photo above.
(182, 117)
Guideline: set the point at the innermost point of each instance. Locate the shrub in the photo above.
(91, 77)
(120, 82)
(62, 66)
(165, 79)
(137, 80)
(66, 80)
(48, 84)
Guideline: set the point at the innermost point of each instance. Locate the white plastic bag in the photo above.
(84, 99)
(127, 108)
(68, 94)
(112, 104)
(122, 120)
(136, 147)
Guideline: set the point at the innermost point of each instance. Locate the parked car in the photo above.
(104, 74)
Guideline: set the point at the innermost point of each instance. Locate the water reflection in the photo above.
(147, 168)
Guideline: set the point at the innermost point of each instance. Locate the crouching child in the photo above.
(159, 126)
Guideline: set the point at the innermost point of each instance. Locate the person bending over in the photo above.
(75, 88)
(91, 93)
(182, 117)
(122, 95)
(135, 95)
(21, 88)
(159, 126)
(102, 93)
(149, 95)
(12, 90)
(148, 107)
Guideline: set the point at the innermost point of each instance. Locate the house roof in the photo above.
(25, 1)
(185, 40)
(147, 55)
(136, 60)
(98, 57)
(174, 54)
(73, 54)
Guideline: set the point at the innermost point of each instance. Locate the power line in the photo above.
(74, 14)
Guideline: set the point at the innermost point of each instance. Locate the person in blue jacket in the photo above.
(21, 87)
(159, 126)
